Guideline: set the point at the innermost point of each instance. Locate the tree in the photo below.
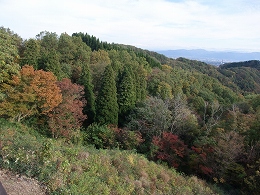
(164, 90)
(66, 119)
(31, 53)
(86, 81)
(98, 62)
(151, 118)
(49, 58)
(9, 67)
(183, 120)
(229, 147)
(170, 149)
(66, 48)
(35, 92)
(212, 114)
(126, 94)
(140, 83)
(106, 105)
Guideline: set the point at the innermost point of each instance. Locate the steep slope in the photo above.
(75, 169)
(246, 75)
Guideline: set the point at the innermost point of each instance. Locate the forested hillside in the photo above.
(196, 118)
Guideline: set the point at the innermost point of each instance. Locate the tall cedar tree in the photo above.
(67, 118)
(106, 106)
(86, 81)
(126, 94)
(141, 83)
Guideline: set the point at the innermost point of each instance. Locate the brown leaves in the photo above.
(44, 86)
(68, 117)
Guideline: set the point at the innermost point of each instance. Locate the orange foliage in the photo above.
(44, 86)
(35, 92)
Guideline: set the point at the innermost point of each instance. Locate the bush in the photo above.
(126, 139)
(100, 136)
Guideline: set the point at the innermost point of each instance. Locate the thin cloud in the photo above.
(151, 24)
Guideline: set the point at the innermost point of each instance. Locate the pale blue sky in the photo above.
(149, 24)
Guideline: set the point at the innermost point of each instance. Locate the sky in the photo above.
(218, 25)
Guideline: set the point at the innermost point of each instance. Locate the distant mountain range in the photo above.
(211, 57)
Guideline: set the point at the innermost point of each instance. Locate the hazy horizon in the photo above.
(148, 24)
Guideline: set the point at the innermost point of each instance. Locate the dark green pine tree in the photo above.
(106, 104)
(126, 94)
(86, 81)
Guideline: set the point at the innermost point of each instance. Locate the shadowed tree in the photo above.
(126, 94)
(106, 105)
(86, 81)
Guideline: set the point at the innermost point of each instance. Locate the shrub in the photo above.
(127, 139)
(100, 136)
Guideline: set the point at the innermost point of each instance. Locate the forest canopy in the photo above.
(200, 119)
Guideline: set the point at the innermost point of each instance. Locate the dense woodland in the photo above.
(199, 119)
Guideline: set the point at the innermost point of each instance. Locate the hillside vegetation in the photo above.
(74, 109)
(67, 168)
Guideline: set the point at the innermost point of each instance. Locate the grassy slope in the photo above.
(75, 169)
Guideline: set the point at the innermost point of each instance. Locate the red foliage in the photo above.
(68, 116)
(127, 139)
(170, 148)
(205, 170)
(202, 161)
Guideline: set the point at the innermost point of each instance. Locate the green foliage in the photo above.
(98, 62)
(94, 43)
(202, 104)
(106, 105)
(69, 169)
(126, 94)
(50, 58)
(235, 174)
(31, 53)
(86, 81)
(9, 67)
(66, 48)
(255, 102)
(140, 84)
(150, 117)
(101, 136)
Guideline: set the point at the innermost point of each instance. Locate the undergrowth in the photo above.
(67, 168)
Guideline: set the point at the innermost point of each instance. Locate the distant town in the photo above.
(211, 57)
